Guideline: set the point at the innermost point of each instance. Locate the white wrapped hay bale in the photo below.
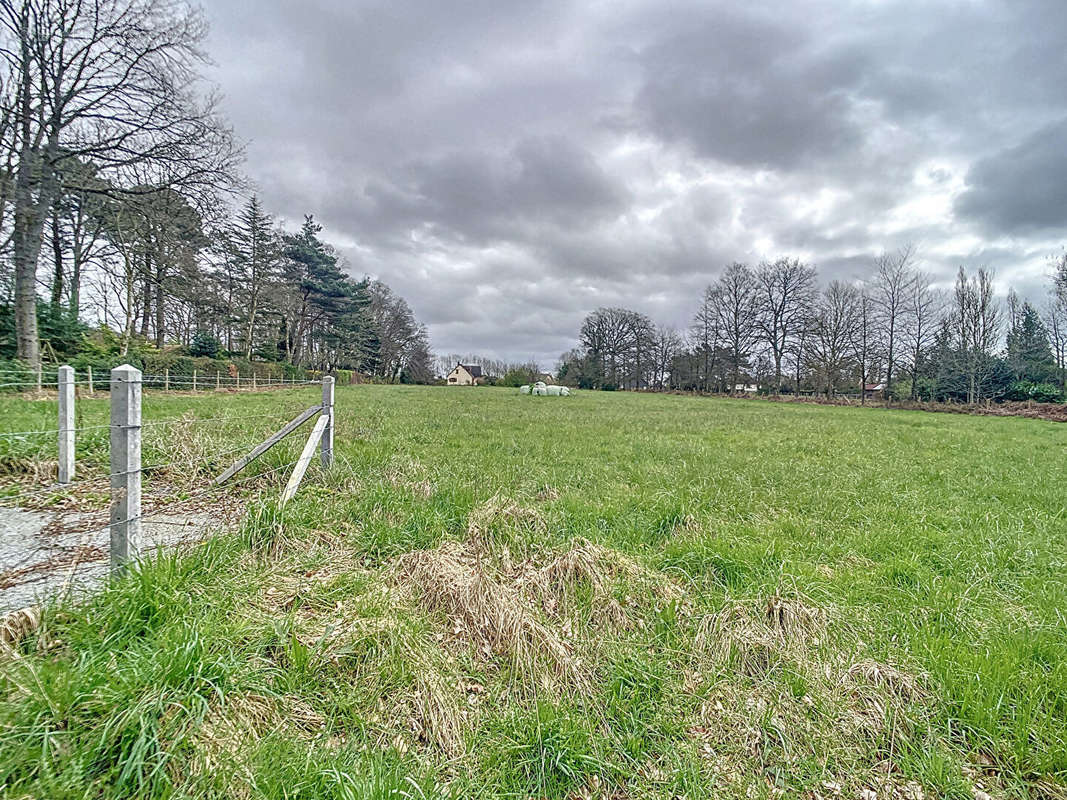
(554, 391)
(564, 391)
(539, 390)
(524, 389)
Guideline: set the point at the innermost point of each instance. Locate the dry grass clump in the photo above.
(735, 638)
(186, 450)
(416, 686)
(491, 615)
(781, 688)
(547, 493)
(432, 708)
(410, 475)
(500, 526)
(877, 698)
(37, 470)
(234, 725)
(741, 638)
(885, 678)
(16, 626)
(599, 568)
(796, 619)
(287, 588)
(426, 704)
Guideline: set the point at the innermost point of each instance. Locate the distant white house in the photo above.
(465, 375)
(748, 388)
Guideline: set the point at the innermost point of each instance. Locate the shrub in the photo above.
(517, 376)
(1038, 392)
(204, 344)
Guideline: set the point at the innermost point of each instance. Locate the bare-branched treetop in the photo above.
(97, 95)
(893, 335)
(785, 293)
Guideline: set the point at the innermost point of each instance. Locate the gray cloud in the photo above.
(509, 165)
(1021, 189)
(750, 91)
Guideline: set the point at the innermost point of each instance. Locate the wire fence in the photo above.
(55, 535)
(47, 379)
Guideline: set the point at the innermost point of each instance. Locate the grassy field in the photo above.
(608, 595)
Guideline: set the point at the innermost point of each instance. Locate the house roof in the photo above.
(474, 369)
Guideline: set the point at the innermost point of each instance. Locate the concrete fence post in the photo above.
(65, 383)
(253, 380)
(166, 379)
(217, 381)
(90, 371)
(326, 444)
(194, 380)
(125, 465)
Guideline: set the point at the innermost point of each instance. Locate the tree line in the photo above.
(897, 335)
(116, 177)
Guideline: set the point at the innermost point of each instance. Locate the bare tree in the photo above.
(1015, 309)
(784, 294)
(923, 310)
(112, 82)
(1056, 324)
(736, 309)
(668, 347)
(705, 334)
(864, 339)
(889, 296)
(976, 325)
(830, 352)
(403, 343)
(801, 343)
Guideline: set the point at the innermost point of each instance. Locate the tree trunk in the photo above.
(28, 222)
(74, 302)
(146, 310)
(161, 317)
(57, 256)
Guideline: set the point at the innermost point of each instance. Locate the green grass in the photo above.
(914, 562)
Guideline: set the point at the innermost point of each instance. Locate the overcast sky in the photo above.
(509, 166)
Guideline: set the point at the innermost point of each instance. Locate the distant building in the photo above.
(872, 389)
(465, 375)
(745, 388)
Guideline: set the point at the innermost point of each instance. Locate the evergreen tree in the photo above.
(1028, 352)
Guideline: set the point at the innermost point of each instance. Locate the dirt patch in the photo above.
(44, 553)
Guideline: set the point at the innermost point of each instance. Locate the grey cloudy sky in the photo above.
(510, 165)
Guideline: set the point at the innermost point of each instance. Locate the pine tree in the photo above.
(1029, 353)
(253, 247)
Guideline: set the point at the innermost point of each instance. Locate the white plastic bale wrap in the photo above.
(540, 389)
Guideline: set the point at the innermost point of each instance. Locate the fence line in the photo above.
(154, 423)
(61, 487)
(49, 379)
(125, 513)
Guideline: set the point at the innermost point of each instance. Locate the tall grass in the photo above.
(614, 595)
